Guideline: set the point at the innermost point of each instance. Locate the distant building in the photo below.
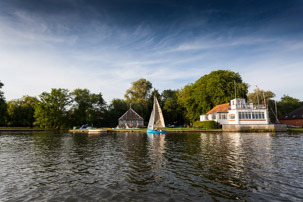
(238, 112)
(294, 118)
(131, 120)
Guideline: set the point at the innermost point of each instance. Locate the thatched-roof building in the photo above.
(294, 118)
(131, 120)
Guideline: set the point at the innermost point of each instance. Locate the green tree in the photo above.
(139, 95)
(258, 96)
(172, 111)
(2, 107)
(139, 92)
(20, 112)
(51, 110)
(288, 104)
(218, 87)
(88, 108)
(115, 110)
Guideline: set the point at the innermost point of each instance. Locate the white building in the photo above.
(238, 112)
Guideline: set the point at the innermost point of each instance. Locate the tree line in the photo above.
(62, 109)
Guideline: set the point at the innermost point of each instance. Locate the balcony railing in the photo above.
(249, 106)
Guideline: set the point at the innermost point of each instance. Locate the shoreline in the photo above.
(139, 130)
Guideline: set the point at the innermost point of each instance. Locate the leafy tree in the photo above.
(139, 92)
(218, 87)
(258, 96)
(88, 108)
(172, 111)
(51, 111)
(2, 106)
(20, 112)
(115, 110)
(139, 95)
(288, 104)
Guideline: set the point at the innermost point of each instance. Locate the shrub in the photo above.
(198, 124)
(205, 124)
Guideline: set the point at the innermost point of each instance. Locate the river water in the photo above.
(45, 166)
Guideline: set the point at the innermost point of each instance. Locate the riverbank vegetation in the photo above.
(63, 109)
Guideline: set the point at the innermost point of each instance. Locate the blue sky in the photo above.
(105, 45)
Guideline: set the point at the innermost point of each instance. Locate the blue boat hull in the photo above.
(155, 131)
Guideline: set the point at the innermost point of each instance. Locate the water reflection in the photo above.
(139, 167)
(156, 150)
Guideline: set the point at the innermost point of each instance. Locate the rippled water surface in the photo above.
(41, 166)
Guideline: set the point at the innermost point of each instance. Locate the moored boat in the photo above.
(97, 130)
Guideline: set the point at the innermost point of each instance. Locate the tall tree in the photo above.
(172, 111)
(88, 108)
(139, 92)
(115, 110)
(218, 87)
(139, 95)
(51, 111)
(2, 107)
(20, 112)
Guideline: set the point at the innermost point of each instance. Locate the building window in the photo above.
(232, 116)
(223, 116)
(251, 115)
(213, 117)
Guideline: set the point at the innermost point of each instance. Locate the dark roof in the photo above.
(296, 114)
(131, 115)
(222, 108)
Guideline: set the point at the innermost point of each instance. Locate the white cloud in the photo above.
(35, 58)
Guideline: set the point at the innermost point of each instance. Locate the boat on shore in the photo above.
(97, 130)
(156, 120)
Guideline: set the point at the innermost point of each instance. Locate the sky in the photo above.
(105, 45)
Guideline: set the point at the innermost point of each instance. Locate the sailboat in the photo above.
(156, 120)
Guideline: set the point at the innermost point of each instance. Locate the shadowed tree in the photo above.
(51, 111)
(88, 108)
(115, 110)
(288, 104)
(172, 111)
(20, 112)
(2, 107)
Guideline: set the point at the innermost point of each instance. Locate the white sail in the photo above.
(151, 121)
(156, 118)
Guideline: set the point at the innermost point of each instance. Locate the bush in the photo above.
(206, 124)
(198, 124)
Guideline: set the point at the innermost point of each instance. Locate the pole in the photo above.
(235, 89)
(257, 92)
(276, 111)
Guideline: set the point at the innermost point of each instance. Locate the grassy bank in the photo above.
(295, 129)
(20, 129)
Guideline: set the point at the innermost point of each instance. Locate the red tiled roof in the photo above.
(222, 108)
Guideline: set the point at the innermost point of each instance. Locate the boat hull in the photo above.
(97, 130)
(155, 131)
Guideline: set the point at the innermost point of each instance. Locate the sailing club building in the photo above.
(241, 116)
(238, 112)
(131, 119)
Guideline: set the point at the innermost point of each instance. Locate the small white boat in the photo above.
(97, 130)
